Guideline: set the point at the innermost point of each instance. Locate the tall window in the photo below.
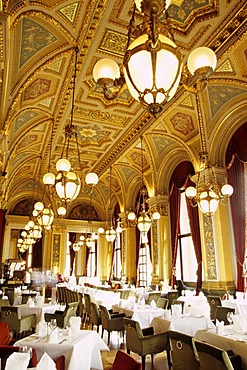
(117, 263)
(186, 263)
(144, 272)
(91, 263)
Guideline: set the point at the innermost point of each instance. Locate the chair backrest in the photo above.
(95, 314)
(211, 357)
(213, 302)
(10, 293)
(221, 314)
(4, 302)
(182, 352)
(70, 310)
(105, 316)
(25, 296)
(87, 300)
(123, 361)
(171, 295)
(153, 296)
(162, 303)
(10, 312)
(60, 363)
(134, 335)
(4, 334)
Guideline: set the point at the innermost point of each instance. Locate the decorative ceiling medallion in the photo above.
(39, 87)
(30, 139)
(34, 38)
(184, 9)
(182, 123)
(113, 42)
(225, 67)
(69, 12)
(138, 159)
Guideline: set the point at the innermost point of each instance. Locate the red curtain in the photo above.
(2, 227)
(236, 155)
(180, 179)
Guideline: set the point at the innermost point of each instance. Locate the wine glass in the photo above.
(53, 324)
(28, 350)
(229, 317)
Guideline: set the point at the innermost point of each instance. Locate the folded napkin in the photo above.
(41, 329)
(167, 314)
(53, 336)
(75, 324)
(17, 361)
(46, 363)
(153, 303)
(220, 327)
(30, 302)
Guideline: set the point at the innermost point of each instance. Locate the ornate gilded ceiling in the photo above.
(37, 52)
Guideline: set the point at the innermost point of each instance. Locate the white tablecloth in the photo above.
(237, 342)
(240, 305)
(81, 352)
(38, 310)
(195, 305)
(186, 325)
(143, 315)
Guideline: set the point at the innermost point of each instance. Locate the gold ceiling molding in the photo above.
(100, 116)
(113, 42)
(225, 67)
(69, 12)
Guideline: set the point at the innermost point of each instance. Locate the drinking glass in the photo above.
(28, 350)
(53, 324)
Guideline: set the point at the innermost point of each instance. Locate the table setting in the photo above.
(81, 348)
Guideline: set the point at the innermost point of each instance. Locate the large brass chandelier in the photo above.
(153, 64)
(67, 182)
(141, 217)
(207, 194)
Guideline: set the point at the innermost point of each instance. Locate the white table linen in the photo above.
(195, 305)
(240, 305)
(82, 351)
(185, 324)
(229, 341)
(143, 315)
(39, 311)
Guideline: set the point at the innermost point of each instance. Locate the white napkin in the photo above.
(53, 336)
(153, 303)
(41, 329)
(75, 324)
(220, 327)
(46, 363)
(30, 302)
(167, 314)
(17, 361)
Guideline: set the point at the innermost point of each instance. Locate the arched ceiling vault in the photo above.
(37, 51)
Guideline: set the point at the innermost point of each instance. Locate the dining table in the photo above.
(39, 310)
(144, 315)
(229, 340)
(185, 324)
(239, 305)
(81, 350)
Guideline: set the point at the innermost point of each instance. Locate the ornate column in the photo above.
(160, 244)
(104, 258)
(128, 249)
(218, 251)
(58, 248)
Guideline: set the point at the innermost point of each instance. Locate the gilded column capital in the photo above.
(158, 203)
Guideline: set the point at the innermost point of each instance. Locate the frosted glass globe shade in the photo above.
(190, 192)
(227, 189)
(101, 230)
(131, 216)
(91, 178)
(49, 178)
(61, 211)
(106, 68)
(201, 57)
(39, 206)
(63, 165)
(156, 215)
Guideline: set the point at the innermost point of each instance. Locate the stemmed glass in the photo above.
(28, 350)
(229, 317)
(53, 324)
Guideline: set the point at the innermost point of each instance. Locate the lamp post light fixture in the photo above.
(154, 49)
(208, 194)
